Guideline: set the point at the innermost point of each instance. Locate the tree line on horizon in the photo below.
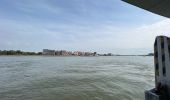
(18, 52)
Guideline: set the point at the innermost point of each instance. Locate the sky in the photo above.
(104, 26)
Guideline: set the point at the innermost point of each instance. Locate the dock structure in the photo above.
(162, 70)
(161, 50)
(160, 7)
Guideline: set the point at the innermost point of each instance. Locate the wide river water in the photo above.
(75, 78)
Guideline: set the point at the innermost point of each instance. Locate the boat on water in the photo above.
(161, 50)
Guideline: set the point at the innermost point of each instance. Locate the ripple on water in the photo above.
(75, 78)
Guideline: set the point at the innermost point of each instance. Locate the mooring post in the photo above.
(162, 70)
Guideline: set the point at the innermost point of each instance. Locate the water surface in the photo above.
(75, 78)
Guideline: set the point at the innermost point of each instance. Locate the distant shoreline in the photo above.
(23, 53)
(83, 56)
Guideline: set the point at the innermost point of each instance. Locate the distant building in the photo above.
(48, 52)
(88, 54)
(57, 53)
(75, 53)
(67, 53)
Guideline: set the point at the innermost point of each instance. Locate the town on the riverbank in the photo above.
(48, 52)
(67, 53)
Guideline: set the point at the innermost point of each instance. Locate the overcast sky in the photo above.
(86, 25)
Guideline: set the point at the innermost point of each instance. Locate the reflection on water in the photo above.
(75, 78)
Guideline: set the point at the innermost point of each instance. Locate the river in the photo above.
(75, 78)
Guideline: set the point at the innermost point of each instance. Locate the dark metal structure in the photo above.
(161, 7)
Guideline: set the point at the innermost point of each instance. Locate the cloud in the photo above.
(103, 38)
(78, 25)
